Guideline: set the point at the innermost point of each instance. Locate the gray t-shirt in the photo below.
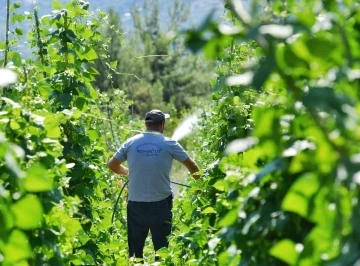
(149, 157)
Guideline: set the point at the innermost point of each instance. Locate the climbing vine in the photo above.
(56, 193)
(280, 142)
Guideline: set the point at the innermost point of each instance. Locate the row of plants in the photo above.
(280, 144)
(56, 134)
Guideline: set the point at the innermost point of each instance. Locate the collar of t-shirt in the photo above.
(152, 132)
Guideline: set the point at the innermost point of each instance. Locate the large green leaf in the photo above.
(16, 58)
(17, 248)
(6, 219)
(57, 5)
(28, 212)
(37, 179)
(285, 250)
(52, 125)
(297, 199)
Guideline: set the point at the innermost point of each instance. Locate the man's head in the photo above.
(155, 120)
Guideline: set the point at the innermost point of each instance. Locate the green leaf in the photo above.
(17, 248)
(20, 18)
(81, 103)
(321, 47)
(93, 71)
(2, 46)
(65, 98)
(220, 185)
(6, 218)
(229, 219)
(208, 210)
(14, 125)
(28, 212)
(83, 90)
(45, 90)
(114, 64)
(93, 92)
(16, 58)
(19, 31)
(89, 54)
(297, 198)
(163, 253)
(37, 179)
(297, 203)
(93, 135)
(285, 250)
(57, 5)
(52, 128)
(200, 238)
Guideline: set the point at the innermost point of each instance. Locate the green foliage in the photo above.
(56, 133)
(279, 144)
(150, 63)
(286, 113)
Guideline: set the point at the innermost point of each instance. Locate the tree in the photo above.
(154, 68)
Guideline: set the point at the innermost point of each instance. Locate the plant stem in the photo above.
(7, 32)
(39, 42)
(109, 117)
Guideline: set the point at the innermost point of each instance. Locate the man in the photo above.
(149, 155)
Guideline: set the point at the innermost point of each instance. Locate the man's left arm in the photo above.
(116, 166)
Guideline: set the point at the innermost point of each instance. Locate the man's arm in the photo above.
(116, 166)
(192, 167)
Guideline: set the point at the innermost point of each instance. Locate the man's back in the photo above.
(149, 157)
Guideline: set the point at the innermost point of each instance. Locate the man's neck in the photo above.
(154, 131)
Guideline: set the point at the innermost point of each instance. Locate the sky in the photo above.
(199, 10)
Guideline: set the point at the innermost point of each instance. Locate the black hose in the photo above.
(180, 184)
(118, 198)
(117, 201)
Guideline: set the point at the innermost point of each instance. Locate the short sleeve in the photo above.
(177, 151)
(121, 153)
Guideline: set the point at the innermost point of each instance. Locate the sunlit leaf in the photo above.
(285, 250)
(17, 247)
(37, 179)
(57, 5)
(229, 218)
(28, 212)
(16, 58)
(297, 198)
(208, 210)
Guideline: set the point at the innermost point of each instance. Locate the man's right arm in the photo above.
(192, 167)
(116, 166)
